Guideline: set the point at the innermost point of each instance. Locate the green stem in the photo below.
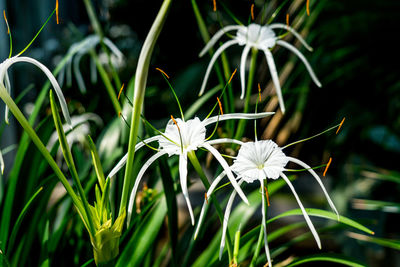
(258, 247)
(43, 150)
(242, 123)
(236, 248)
(140, 87)
(197, 166)
(93, 19)
(107, 82)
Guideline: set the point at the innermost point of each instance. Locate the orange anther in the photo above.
(233, 74)
(340, 125)
(259, 91)
(205, 196)
(163, 72)
(327, 166)
(287, 19)
(119, 114)
(5, 18)
(120, 91)
(252, 11)
(214, 5)
(308, 7)
(266, 194)
(172, 118)
(220, 106)
(57, 11)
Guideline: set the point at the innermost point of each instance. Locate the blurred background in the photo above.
(355, 56)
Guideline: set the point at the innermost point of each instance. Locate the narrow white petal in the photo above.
(302, 57)
(224, 140)
(212, 61)
(1, 162)
(53, 82)
(183, 181)
(293, 31)
(243, 58)
(306, 217)
(216, 37)
(8, 89)
(68, 66)
(226, 219)
(93, 71)
(275, 78)
(114, 49)
(61, 76)
(137, 182)
(237, 116)
(209, 192)
(228, 171)
(78, 75)
(122, 161)
(313, 173)
(264, 224)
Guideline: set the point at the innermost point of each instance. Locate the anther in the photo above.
(5, 18)
(327, 166)
(120, 91)
(57, 11)
(172, 118)
(220, 106)
(287, 20)
(252, 11)
(163, 72)
(259, 91)
(214, 5)
(267, 195)
(233, 74)
(308, 7)
(340, 125)
(205, 196)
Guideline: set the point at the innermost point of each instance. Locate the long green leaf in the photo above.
(327, 257)
(395, 244)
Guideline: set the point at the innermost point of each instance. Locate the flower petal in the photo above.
(114, 49)
(243, 58)
(8, 89)
(137, 182)
(122, 161)
(313, 173)
(183, 181)
(301, 56)
(218, 35)
(1, 163)
(232, 116)
(78, 75)
(208, 194)
(306, 217)
(293, 31)
(224, 140)
(212, 61)
(275, 78)
(264, 219)
(228, 171)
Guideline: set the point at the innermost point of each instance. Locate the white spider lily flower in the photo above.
(180, 139)
(260, 160)
(79, 132)
(5, 81)
(75, 54)
(262, 38)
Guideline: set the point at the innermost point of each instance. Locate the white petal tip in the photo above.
(318, 84)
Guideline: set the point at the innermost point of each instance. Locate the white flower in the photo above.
(5, 81)
(260, 160)
(75, 54)
(262, 38)
(180, 139)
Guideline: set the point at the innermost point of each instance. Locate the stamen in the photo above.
(327, 166)
(233, 74)
(340, 125)
(119, 114)
(172, 118)
(205, 196)
(57, 12)
(5, 18)
(163, 72)
(287, 20)
(220, 106)
(252, 11)
(259, 91)
(214, 5)
(120, 91)
(267, 195)
(308, 7)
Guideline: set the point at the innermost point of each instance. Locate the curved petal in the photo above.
(313, 173)
(53, 82)
(226, 219)
(293, 31)
(1, 163)
(122, 161)
(183, 181)
(275, 78)
(137, 182)
(61, 76)
(224, 140)
(306, 217)
(93, 71)
(216, 37)
(243, 58)
(236, 116)
(228, 171)
(264, 219)
(301, 56)
(78, 75)
(209, 192)
(212, 61)
(8, 89)
(114, 49)
(68, 66)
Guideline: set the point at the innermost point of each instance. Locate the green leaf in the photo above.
(327, 257)
(395, 244)
(97, 164)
